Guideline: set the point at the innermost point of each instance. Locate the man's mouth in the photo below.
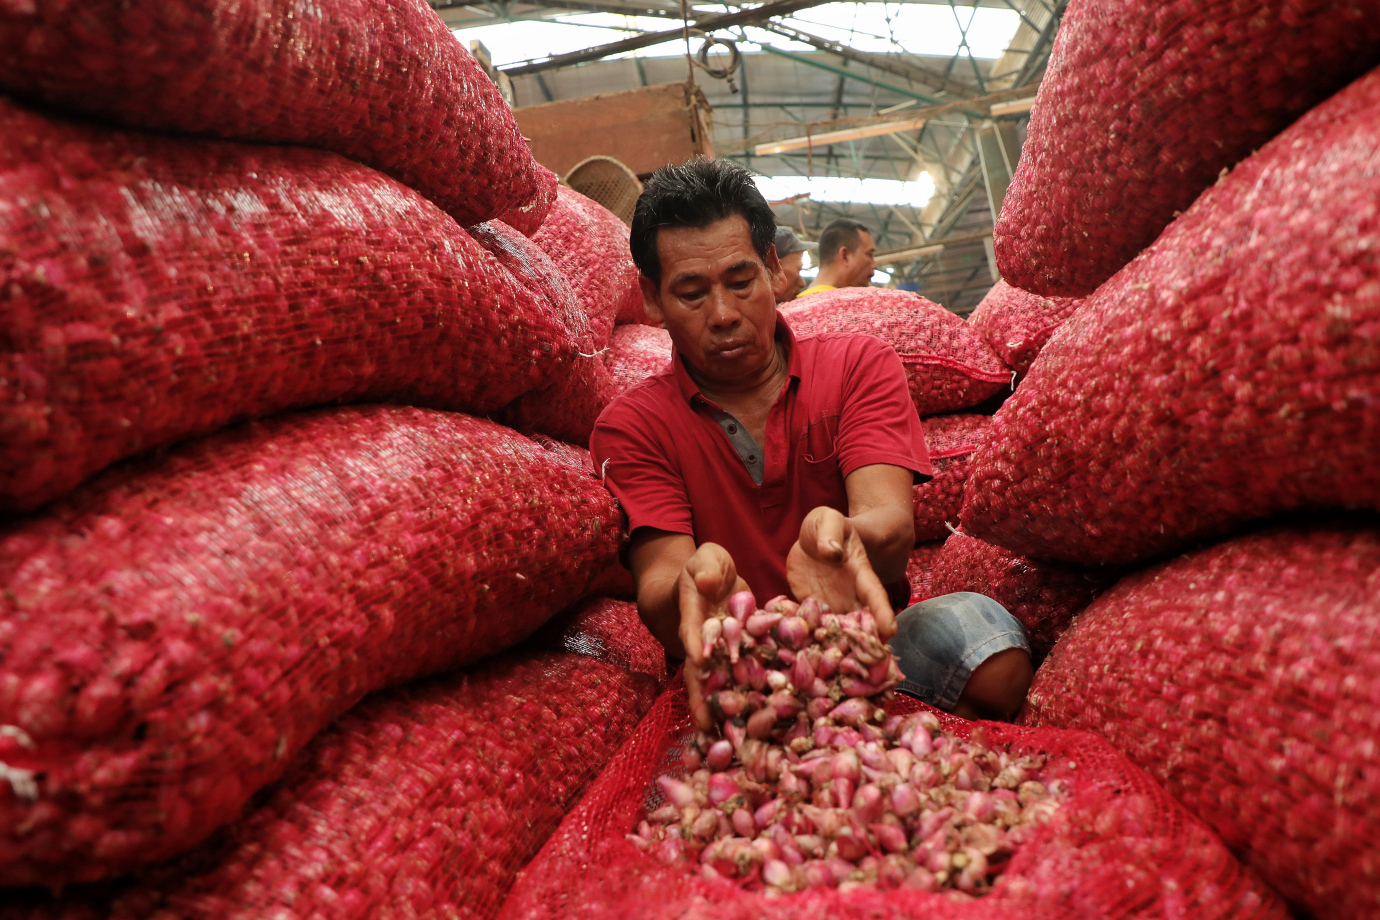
(731, 349)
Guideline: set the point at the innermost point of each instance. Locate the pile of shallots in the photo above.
(813, 785)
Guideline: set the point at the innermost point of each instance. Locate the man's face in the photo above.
(861, 261)
(717, 300)
(790, 267)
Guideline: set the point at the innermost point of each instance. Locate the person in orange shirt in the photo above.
(847, 257)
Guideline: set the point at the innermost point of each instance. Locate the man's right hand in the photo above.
(707, 581)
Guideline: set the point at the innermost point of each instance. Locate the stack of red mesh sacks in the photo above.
(1226, 376)
(175, 630)
(176, 286)
(383, 82)
(1229, 373)
(421, 801)
(1243, 678)
(1141, 108)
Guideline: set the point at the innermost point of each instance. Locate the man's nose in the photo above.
(724, 313)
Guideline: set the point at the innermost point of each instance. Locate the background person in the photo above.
(790, 252)
(758, 461)
(847, 257)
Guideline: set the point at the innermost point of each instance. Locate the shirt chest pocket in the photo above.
(820, 443)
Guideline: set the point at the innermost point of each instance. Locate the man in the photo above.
(847, 257)
(790, 252)
(762, 462)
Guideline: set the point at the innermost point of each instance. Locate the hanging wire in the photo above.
(685, 31)
(717, 71)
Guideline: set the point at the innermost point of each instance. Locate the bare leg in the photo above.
(997, 688)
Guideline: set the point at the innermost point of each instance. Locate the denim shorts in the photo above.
(941, 641)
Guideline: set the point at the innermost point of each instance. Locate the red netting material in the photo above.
(1141, 108)
(613, 580)
(383, 82)
(1017, 323)
(172, 287)
(177, 629)
(637, 352)
(421, 801)
(1228, 373)
(919, 568)
(1244, 677)
(633, 311)
(951, 440)
(1044, 596)
(590, 244)
(610, 630)
(1118, 847)
(530, 217)
(949, 367)
(568, 406)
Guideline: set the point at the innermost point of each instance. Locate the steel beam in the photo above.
(849, 74)
(883, 62)
(996, 167)
(648, 39)
(1034, 59)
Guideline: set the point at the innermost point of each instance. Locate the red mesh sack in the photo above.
(1017, 323)
(949, 367)
(1229, 373)
(567, 407)
(175, 630)
(632, 310)
(590, 244)
(951, 440)
(1044, 596)
(383, 82)
(609, 630)
(1141, 108)
(528, 218)
(919, 567)
(173, 287)
(421, 801)
(1244, 678)
(1117, 847)
(637, 352)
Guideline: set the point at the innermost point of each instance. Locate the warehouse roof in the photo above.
(928, 95)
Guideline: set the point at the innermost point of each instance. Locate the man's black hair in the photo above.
(697, 194)
(838, 235)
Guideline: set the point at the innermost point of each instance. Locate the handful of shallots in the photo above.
(812, 784)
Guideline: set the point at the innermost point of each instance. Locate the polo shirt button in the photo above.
(752, 458)
(732, 429)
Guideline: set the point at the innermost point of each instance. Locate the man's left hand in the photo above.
(829, 563)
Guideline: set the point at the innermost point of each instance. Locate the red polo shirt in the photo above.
(667, 454)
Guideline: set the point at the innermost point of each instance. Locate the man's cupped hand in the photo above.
(829, 563)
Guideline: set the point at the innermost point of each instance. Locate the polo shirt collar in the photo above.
(689, 389)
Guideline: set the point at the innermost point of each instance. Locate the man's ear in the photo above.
(778, 274)
(651, 299)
